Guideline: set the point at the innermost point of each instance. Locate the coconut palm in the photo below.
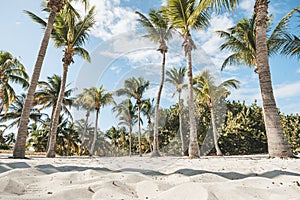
(85, 101)
(135, 88)
(241, 40)
(11, 71)
(54, 6)
(126, 113)
(210, 93)
(176, 77)
(277, 144)
(159, 31)
(101, 99)
(183, 17)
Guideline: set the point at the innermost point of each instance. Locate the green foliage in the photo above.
(291, 130)
(243, 131)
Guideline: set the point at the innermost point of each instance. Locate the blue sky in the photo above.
(118, 51)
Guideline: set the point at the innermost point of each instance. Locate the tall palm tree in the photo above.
(210, 93)
(126, 113)
(101, 99)
(277, 144)
(241, 40)
(11, 71)
(135, 88)
(54, 7)
(159, 31)
(183, 17)
(176, 77)
(85, 101)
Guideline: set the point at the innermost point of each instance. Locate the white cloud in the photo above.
(112, 19)
(298, 71)
(287, 90)
(248, 6)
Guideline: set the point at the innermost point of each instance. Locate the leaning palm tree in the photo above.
(126, 114)
(54, 7)
(72, 35)
(182, 15)
(11, 71)
(135, 88)
(241, 40)
(176, 77)
(101, 99)
(211, 94)
(277, 144)
(159, 31)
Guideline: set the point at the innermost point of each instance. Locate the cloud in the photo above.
(298, 71)
(287, 90)
(248, 6)
(112, 19)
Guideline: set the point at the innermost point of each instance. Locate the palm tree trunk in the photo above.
(20, 145)
(84, 130)
(277, 144)
(139, 131)
(215, 131)
(51, 119)
(194, 151)
(180, 125)
(54, 125)
(155, 152)
(95, 134)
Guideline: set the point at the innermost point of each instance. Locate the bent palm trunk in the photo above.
(54, 125)
(155, 142)
(277, 144)
(180, 126)
(215, 131)
(20, 145)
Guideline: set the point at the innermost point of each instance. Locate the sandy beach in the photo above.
(213, 178)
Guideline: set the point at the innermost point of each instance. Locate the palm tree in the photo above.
(241, 40)
(11, 71)
(70, 32)
(183, 17)
(135, 88)
(159, 31)
(209, 93)
(176, 77)
(126, 112)
(277, 144)
(85, 101)
(54, 6)
(101, 99)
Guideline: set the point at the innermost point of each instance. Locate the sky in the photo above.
(119, 51)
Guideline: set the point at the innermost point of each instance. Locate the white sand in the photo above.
(165, 178)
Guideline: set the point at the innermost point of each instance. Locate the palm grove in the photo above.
(241, 129)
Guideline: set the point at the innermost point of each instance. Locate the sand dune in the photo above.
(164, 178)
